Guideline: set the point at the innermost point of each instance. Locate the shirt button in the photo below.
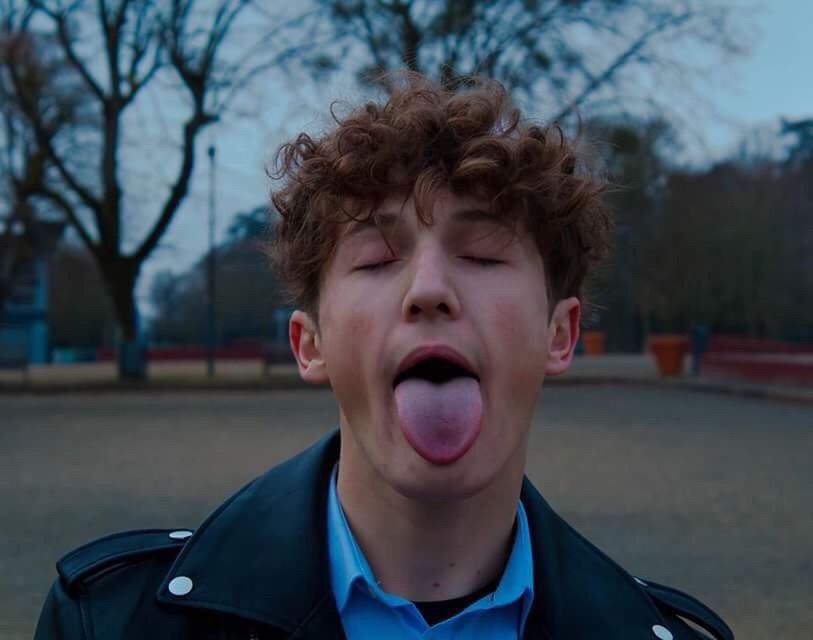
(662, 632)
(180, 535)
(181, 585)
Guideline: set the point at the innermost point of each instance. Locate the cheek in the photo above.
(346, 317)
(359, 327)
(519, 327)
(509, 322)
(351, 341)
(519, 321)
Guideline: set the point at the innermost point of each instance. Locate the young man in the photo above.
(436, 248)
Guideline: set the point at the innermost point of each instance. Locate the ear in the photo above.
(563, 334)
(306, 345)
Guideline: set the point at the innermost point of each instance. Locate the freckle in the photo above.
(436, 584)
(451, 564)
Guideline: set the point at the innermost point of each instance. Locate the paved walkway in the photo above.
(641, 369)
(247, 375)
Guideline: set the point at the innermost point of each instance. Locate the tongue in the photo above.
(440, 421)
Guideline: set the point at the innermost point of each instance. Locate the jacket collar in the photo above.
(262, 555)
(580, 593)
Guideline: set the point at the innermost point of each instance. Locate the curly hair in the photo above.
(471, 140)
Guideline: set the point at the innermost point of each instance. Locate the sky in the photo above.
(775, 80)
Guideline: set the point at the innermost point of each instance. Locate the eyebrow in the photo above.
(388, 220)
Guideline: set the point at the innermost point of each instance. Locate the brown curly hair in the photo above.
(471, 140)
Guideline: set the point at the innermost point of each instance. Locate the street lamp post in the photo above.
(210, 269)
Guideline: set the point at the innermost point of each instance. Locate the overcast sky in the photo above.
(775, 80)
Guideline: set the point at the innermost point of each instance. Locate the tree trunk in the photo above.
(121, 275)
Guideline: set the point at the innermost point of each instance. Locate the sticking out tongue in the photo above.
(440, 421)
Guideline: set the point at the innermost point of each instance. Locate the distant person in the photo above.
(435, 247)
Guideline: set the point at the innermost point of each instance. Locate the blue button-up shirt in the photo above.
(367, 611)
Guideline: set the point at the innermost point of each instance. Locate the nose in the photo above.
(431, 291)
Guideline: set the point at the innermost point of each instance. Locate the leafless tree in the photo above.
(47, 80)
(731, 252)
(570, 54)
(200, 54)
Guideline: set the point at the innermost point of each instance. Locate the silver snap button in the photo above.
(662, 632)
(180, 535)
(639, 581)
(182, 585)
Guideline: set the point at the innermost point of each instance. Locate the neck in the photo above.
(428, 550)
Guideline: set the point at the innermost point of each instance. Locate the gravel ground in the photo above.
(709, 493)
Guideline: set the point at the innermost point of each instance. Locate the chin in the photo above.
(418, 479)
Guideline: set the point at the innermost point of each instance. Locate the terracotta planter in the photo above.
(669, 351)
(593, 342)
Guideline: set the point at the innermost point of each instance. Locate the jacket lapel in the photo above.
(262, 555)
(580, 593)
(323, 622)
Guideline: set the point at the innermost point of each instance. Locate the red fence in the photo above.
(759, 360)
(272, 352)
(740, 344)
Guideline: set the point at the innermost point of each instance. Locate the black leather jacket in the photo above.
(257, 569)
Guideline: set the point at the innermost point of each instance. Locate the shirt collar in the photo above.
(517, 582)
(347, 563)
(349, 567)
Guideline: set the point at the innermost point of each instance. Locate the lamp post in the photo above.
(210, 270)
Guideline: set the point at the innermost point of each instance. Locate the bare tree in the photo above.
(47, 80)
(731, 252)
(119, 49)
(569, 53)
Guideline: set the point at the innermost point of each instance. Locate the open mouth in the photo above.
(436, 370)
(439, 405)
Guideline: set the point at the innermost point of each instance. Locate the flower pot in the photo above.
(669, 351)
(593, 342)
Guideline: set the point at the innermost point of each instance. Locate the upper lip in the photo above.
(426, 352)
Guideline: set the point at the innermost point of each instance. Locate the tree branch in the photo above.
(66, 207)
(619, 62)
(109, 218)
(44, 140)
(192, 127)
(111, 30)
(64, 39)
(141, 44)
(220, 27)
(137, 85)
(246, 76)
(371, 39)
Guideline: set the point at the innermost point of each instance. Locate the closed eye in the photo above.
(375, 266)
(486, 262)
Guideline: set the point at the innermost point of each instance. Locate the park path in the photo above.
(708, 492)
(251, 375)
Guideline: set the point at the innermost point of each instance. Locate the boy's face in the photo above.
(432, 291)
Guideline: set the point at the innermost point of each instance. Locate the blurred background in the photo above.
(135, 139)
